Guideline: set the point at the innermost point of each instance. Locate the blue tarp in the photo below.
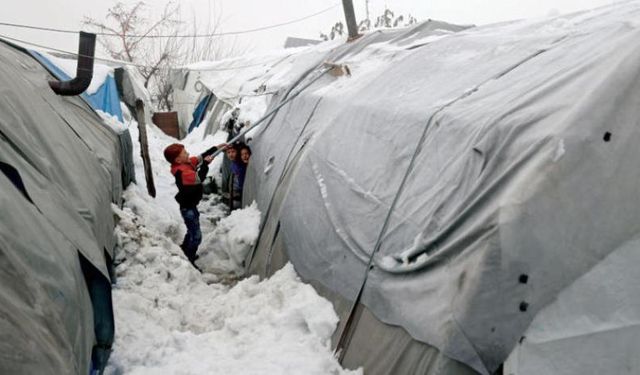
(199, 112)
(105, 99)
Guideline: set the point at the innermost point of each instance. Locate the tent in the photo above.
(247, 82)
(199, 112)
(104, 93)
(62, 169)
(464, 195)
(109, 86)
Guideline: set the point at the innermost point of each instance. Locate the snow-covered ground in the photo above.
(171, 319)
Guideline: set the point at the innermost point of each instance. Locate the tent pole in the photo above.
(144, 148)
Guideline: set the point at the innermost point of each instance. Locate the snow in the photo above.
(100, 71)
(112, 121)
(171, 319)
(560, 150)
(224, 250)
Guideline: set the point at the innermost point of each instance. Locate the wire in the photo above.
(173, 36)
(121, 62)
(235, 67)
(72, 53)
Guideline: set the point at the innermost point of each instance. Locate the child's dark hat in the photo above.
(172, 151)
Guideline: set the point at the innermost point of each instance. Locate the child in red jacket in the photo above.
(189, 172)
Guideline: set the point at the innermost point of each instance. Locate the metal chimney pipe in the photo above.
(84, 72)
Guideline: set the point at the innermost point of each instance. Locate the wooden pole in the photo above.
(144, 148)
(367, 5)
(350, 17)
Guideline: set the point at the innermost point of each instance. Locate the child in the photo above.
(237, 169)
(245, 154)
(189, 172)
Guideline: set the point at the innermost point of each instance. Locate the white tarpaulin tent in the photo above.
(461, 184)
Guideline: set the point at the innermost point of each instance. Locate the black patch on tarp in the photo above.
(14, 176)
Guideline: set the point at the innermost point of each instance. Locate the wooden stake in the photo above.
(144, 148)
(350, 17)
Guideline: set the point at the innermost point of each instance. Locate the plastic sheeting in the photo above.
(199, 112)
(69, 164)
(46, 325)
(599, 310)
(503, 156)
(106, 98)
(254, 79)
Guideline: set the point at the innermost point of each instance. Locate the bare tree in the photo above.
(157, 43)
(210, 48)
(336, 31)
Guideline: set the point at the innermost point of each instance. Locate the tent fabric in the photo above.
(200, 112)
(70, 166)
(216, 116)
(607, 301)
(128, 174)
(129, 83)
(257, 77)
(380, 348)
(106, 98)
(503, 156)
(47, 323)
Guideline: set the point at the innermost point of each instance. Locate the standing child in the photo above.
(237, 169)
(189, 172)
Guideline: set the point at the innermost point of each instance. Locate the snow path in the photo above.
(170, 319)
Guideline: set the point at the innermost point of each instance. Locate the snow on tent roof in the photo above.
(254, 79)
(504, 157)
(102, 93)
(216, 77)
(229, 80)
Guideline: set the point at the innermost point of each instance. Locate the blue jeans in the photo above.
(193, 238)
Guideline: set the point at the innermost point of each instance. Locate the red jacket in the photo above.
(189, 178)
(189, 171)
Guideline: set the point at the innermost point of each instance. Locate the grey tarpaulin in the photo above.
(593, 327)
(70, 165)
(126, 154)
(128, 82)
(526, 174)
(46, 325)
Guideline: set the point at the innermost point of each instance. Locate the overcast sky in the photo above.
(247, 14)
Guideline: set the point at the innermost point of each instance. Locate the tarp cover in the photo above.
(69, 164)
(593, 327)
(105, 98)
(251, 78)
(519, 145)
(199, 112)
